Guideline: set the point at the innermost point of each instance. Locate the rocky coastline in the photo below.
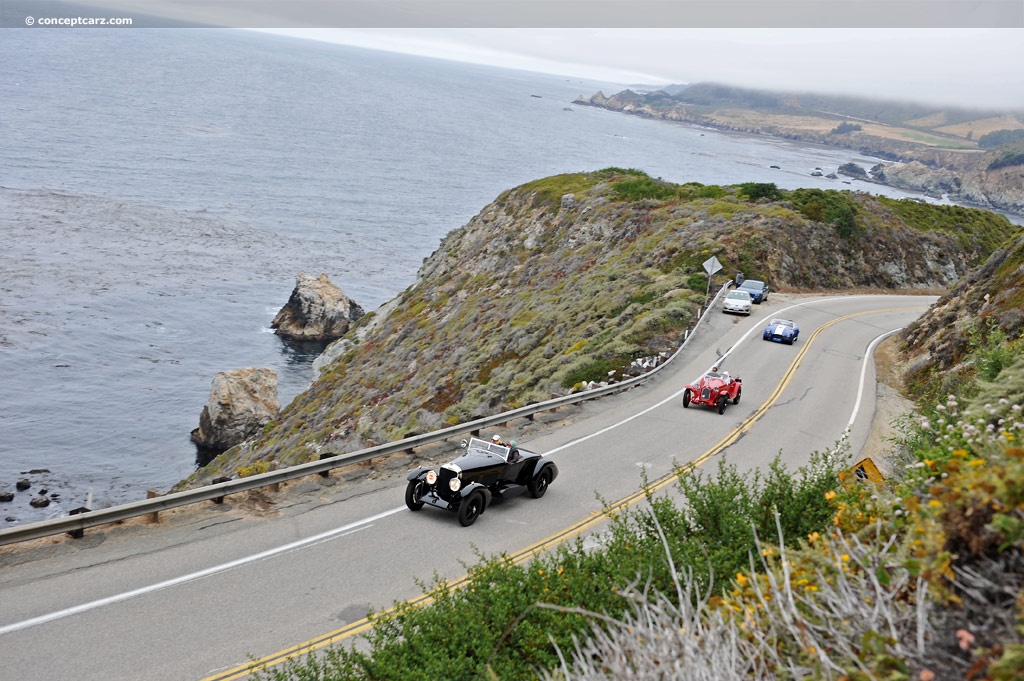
(961, 172)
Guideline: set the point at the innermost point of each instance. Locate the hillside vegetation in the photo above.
(566, 279)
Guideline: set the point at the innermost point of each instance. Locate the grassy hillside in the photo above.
(565, 279)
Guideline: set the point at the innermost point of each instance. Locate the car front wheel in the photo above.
(539, 485)
(470, 509)
(413, 492)
(722, 401)
(736, 400)
(686, 399)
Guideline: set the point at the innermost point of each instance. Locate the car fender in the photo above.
(473, 487)
(420, 472)
(543, 466)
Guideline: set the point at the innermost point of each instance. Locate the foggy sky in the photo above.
(975, 68)
(965, 53)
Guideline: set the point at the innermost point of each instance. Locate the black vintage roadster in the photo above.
(486, 470)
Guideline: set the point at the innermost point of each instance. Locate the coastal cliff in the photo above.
(571, 278)
(970, 156)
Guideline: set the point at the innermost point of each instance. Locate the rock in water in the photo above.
(241, 402)
(316, 311)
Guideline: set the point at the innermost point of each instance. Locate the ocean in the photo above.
(160, 189)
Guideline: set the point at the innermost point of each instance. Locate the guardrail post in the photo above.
(326, 455)
(153, 517)
(215, 481)
(79, 533)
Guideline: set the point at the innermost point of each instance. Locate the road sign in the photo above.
(711, 265)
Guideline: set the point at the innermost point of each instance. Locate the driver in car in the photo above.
(513, 452)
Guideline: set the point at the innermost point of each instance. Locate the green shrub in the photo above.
(1007, 160)
(644, 188)
(711, 191)
(759, 190)
(998, 138)
(830, 206)
(845, 127)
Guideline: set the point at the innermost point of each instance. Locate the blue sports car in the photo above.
(782, 330)
(757, 289)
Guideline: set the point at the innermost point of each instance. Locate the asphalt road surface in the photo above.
(205, 591)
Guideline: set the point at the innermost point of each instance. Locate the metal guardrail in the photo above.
(82, 519)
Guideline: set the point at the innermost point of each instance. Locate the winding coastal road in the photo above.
(201, 594)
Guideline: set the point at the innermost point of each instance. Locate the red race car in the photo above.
(714, 389)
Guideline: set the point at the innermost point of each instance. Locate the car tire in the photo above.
(471, 508)
(736, 400)
(413, 492)
(686, 398)
(539, 484)
(722, 402)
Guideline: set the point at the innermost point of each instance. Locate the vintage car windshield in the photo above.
(477, 446)
(781, 322)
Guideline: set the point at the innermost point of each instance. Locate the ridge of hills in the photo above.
(973, 156)
(562, 280)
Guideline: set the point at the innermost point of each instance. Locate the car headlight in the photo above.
(431, 477)
(455, 484)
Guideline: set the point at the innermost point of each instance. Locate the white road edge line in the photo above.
(864, 376)
(356, 526)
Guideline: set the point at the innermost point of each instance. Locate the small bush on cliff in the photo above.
(845, 127)
(644, 188)
(829, 206)
(755, 191)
